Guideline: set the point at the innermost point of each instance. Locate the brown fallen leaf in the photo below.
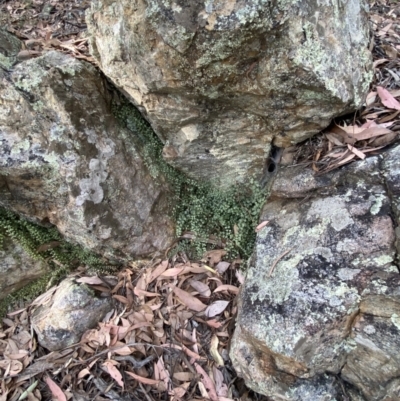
(174, 271)
(384, 140)
(44, 298)
(189, 300)
(113, 372)
(207, 382)
(222, 267)
(371, 133)
(121, 299)
(179, 392)
(55, 390)
(183, 376)
(90, 280)
(357, 152)
(227, 287)
(220, 386)
(214, 323)
(215, 256)
(387, 99)
(158, 270)
(201, 288)
(261, 226)
(185, 349)
(216, 308)
(47, 246)
(214, 351)
(335, 140)
(240, 276)
(144, 380)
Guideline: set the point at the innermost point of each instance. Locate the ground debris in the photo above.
(377, 124)
(47, 25)
(157, 342)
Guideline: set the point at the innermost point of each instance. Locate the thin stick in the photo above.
(145, 392)
(277, 260)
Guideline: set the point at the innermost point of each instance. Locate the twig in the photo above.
(145, 392)
(277, 260)
(136, 364)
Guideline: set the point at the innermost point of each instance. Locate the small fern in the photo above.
(229, 215)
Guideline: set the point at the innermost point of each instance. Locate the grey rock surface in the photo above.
(220, 80)
(73, 309)
(65, 160)
(17, 268)
(9, 49)
(322, 294)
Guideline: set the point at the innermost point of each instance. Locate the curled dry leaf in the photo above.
(83, 373)
(214, 351)
(216, 308)
(12, 367)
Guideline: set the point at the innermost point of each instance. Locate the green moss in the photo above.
(32, 236)
(208, 213)
(30, 291)
(61, 255)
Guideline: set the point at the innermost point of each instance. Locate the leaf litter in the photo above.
(374, 127)
(167, 338)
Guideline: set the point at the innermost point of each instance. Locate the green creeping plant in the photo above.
(228, 215)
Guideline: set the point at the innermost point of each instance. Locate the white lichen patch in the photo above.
(91, 189)
(325, 252)
(28, 82)
(20, 147)
(377, 202)
(5, 62)
(278, 287)
(346, 274)
(305, 239)
(395, 319)
(369, 329)
(332, 208)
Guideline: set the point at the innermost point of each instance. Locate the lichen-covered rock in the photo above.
(65, 160)
(73, 309)
(9, 49)
(322, 293)
(219, 80)
(17, 268)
